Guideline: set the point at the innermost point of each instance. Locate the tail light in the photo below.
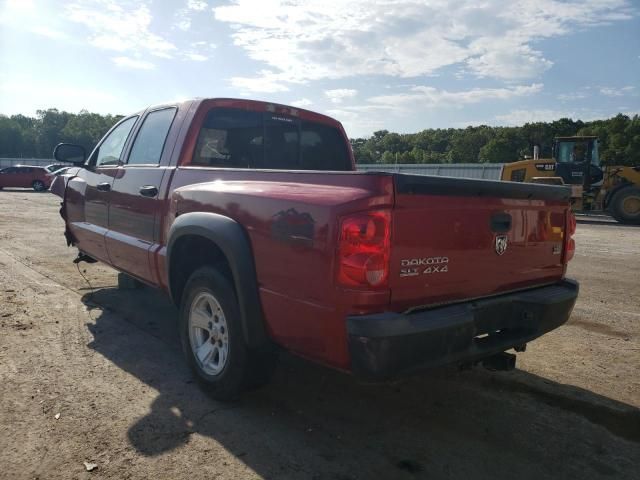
(363, 249)
(570, 243)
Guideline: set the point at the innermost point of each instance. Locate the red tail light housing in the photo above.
(570, 243)
(363, 249)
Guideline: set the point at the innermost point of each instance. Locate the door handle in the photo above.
(148, 190)
(104, 186)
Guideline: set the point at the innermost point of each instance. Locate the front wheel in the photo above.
(212, 337)
(38, 185)
(625, 205)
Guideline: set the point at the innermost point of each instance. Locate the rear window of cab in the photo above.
(234, 138)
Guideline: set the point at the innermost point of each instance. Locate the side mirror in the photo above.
(70, 153)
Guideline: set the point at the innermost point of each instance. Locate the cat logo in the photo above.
(501, 244)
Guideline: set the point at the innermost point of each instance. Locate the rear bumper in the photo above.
(389, 344)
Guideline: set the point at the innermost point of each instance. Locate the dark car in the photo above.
(25, 176)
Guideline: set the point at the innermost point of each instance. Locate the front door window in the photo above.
(110, 150)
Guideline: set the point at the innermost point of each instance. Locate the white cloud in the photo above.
(502, 59)
(383, 111)
(125, 26)
(203, 44)
(571, 96)
(197, 5)
(19, 5)
(267, 82)
(183, 22)
(198, 51)
(339, 94)
(120, 26)
(520, 117)
(196, 57)
(359, 120)
(616, 92)
(184, 16)
(39, 93)
(302, 103)
(305, 40)
(48, 32)
(424, 96)
(128, 62)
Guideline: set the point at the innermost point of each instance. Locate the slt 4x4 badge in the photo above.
(412, 267)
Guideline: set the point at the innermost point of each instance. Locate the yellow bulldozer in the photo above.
(595, 188)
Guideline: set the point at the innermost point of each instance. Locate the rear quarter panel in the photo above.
(291, 220)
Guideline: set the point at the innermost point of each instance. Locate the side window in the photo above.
(109, 151)
(230, 138)
(149, 143)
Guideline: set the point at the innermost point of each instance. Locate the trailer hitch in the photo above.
(502, 362)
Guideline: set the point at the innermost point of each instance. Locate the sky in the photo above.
(399, 65)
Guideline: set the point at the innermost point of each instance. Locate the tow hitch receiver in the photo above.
(501, 362)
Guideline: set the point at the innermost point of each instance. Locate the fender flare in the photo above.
(234, 243)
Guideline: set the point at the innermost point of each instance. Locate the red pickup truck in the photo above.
(251, 216)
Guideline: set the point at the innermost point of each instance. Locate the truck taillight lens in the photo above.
(571, 224)
(570, 243)
(363, 249)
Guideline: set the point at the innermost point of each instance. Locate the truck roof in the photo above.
(255, 105)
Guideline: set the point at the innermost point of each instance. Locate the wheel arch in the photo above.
(226, 245)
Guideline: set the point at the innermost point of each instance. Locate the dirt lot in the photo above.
(108, 362)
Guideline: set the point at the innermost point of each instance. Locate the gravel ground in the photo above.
(94, 374)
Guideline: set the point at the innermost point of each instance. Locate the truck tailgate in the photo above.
(455, 239)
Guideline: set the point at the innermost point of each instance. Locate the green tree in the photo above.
(87, 129)
(11, 141)
(48, 129)
(466, 144)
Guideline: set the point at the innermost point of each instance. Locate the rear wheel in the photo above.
(625, 205)
(38, 185)
(212, 337)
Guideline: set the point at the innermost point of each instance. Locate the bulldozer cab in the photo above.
(577, 161)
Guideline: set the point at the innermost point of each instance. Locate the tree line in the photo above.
(22, 136)
(619, 142)
(35, 137)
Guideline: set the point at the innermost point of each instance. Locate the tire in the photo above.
(212, 338)
(38, 186)
(625, 206)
